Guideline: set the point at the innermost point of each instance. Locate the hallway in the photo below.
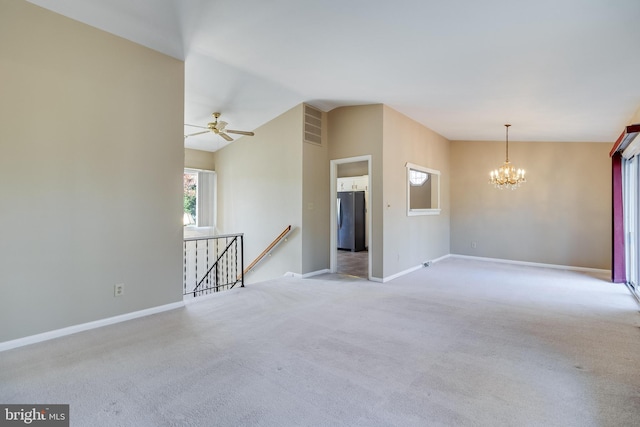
(353, 263)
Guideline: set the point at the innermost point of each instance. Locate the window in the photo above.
(423, 190)
(417, 178)
(199, 198)
(190, 198)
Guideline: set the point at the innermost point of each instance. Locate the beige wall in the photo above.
(421, 196)
(353, 169)
(91, 193)
(635, 118)
(198, 159)
(357, 131)
(260, 193)
(562, 215)
(409, 241)
(315, 204)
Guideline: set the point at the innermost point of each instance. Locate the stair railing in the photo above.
(269, 248)
(213, 264)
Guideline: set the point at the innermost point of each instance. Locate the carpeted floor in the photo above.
(460, 343)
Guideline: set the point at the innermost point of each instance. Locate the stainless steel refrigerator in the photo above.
(351, 220)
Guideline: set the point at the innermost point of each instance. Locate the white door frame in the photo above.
(333, 247)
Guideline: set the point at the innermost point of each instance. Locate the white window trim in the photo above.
(202, 211)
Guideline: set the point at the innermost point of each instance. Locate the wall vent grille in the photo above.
(312, 125)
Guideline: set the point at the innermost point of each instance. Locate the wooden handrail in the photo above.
(269, 248)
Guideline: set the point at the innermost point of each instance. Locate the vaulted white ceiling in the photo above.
(557, 70)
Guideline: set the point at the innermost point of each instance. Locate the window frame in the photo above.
(433, 179)
(207, 213)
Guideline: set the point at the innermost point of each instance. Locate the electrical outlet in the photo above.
(118, 290)
(474, 245)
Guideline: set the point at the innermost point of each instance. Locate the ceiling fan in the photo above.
(219, 128)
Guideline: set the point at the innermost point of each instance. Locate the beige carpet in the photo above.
(460, 343)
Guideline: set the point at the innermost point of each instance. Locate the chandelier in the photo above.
(507, 176)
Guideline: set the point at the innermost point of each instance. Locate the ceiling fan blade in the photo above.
(240, 132)
(197, 133)
(196, 126)
(225, 136)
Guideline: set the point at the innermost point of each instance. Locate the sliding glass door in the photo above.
(630, 187)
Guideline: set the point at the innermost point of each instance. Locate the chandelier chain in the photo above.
(507, 150)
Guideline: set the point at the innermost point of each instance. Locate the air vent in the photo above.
(312, 125)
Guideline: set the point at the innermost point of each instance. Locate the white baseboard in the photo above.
(442, 258)
(45, 336)
(402, 273)
(306, 275)
(316, 273)
(412, 269)
(534, 264)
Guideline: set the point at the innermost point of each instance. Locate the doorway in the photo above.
(350, 175)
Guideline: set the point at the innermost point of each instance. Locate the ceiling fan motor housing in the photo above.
(219, 128)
